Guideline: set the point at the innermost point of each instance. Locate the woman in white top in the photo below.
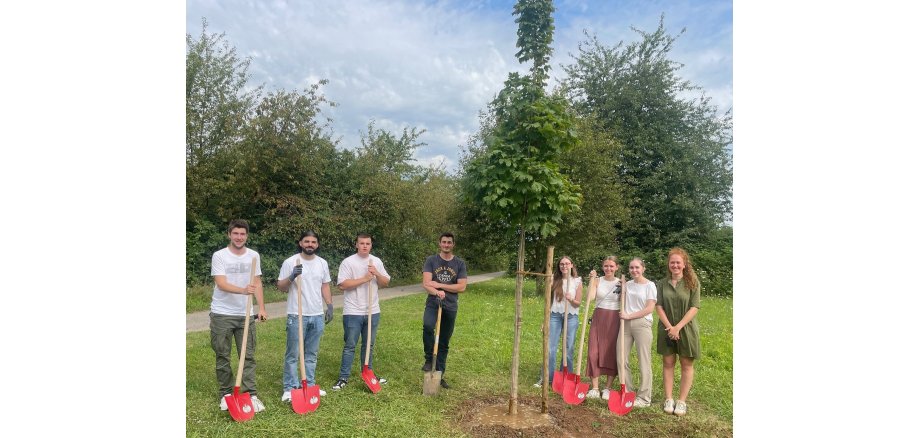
(605, 326)
(641, 296)
(565, 290)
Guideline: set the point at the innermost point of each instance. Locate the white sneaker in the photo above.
(606, 394)
(286, 397)
(669, 406)
(680, 409)
(223, 404)
(641, 404)
(593, 394)
(322, 393)
(257, 404)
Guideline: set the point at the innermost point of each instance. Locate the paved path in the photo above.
(198, 321)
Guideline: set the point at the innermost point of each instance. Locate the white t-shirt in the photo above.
(569, 287)
(606, 298)
(236, 269)
(355, 300)
(637, 294)
(309, 284)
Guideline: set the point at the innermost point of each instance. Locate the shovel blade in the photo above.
(370, 379)
(432, 383)
(559, 380)
(305, 399)
(621, 402)
(574, 391)
(240, 405)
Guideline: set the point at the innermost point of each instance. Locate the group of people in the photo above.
(675, 299)
(306, 273)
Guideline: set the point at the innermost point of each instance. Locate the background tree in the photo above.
(272, 160)
(675, 163)
(516, 176)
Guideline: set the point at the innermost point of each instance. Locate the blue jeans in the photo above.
(555, 332)
(356, 326)
(313, 327)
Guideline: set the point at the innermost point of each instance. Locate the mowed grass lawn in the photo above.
(478, 367)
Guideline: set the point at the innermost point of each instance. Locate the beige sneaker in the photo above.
(669, 406)
(681, 409)
(641, 404)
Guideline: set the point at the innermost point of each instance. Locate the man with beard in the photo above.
(230, 268)
(311, 272)
(443, 277)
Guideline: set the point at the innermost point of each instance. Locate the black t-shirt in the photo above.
(447, 272)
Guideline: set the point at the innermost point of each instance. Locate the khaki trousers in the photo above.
(639, 332)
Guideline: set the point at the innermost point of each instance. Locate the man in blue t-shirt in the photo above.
(443, 277)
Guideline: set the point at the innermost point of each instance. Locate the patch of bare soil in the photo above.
(477, 417)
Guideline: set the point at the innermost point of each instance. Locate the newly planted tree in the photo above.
(516, 177)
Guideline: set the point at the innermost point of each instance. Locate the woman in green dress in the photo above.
(678, 300)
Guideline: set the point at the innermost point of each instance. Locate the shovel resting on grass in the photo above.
(432, 383)
(367, 374)
(306, 398)
(240, 405)
(560, 375)
(621, 402)
(574, 390)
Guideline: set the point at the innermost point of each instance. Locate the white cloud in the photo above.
(412, 63)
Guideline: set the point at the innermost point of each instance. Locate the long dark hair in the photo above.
(558, 293)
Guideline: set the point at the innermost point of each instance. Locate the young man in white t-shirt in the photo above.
(230, 268)
(356, 273)
(310, 272)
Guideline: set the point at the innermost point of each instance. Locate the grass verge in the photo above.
(478, 368)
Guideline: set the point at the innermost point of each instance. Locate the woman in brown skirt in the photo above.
(605, 326)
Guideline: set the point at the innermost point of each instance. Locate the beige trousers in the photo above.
(639, 332)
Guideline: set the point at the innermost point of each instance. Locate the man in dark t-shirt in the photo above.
(443, 277)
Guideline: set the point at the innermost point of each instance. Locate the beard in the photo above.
(309, 251)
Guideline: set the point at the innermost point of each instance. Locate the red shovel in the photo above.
(240, 405)
(560, 375)
(366, 373)
(306, 398)
(574, 391)
(621, 402)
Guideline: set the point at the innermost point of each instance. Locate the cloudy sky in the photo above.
(435, 64)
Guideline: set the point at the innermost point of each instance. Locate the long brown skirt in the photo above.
(602, 343)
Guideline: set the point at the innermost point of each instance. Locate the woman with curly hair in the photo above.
(678, 333)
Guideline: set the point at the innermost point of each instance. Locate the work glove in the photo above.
(328, 315)
(297, 271)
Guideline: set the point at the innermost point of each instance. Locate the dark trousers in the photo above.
(448, 318)
(225, 330)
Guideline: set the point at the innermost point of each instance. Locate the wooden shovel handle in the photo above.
(367, 353)
(437, 332)
(242, 352)
(622, 327)
(565, 323)
(592, 290)
(300, 288)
